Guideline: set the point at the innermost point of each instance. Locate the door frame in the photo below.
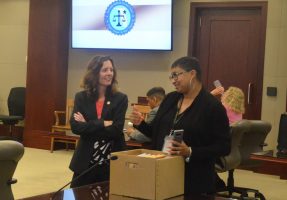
(195, 10)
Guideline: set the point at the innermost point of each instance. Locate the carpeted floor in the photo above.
(40, 171)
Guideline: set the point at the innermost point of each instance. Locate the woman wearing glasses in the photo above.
(203, 119)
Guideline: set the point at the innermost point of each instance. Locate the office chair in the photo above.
(10, 154)
(247, 137)
(253, 141)
(16, 108)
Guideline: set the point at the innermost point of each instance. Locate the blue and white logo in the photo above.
(120, 17)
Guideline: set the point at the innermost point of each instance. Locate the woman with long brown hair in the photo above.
(98, 117)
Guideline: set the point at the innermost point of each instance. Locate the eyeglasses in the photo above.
(175, 75)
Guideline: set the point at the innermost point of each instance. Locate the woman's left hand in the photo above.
(179, 149)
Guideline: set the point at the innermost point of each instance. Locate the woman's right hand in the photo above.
(136, 117)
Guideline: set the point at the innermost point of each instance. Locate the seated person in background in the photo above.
(233, 101)
(154, 97)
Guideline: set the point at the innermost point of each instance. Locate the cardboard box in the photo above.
(146, 178)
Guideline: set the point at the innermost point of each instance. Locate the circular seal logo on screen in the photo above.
(119, 17)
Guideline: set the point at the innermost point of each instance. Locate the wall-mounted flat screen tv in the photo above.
(122, 24)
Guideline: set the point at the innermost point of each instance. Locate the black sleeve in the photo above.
(219, 135)
(145, 128)
(83, 128)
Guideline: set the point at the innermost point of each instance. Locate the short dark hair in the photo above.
(157, 92)
(188, 63)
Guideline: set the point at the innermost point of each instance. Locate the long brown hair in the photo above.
(90, 80)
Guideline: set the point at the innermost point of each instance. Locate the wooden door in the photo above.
(228, 39)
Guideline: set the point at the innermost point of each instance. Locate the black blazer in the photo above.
(206, 131)
(93, 129)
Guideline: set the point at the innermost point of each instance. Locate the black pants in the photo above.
(98, 174)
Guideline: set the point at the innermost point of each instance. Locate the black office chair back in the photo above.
(16, 101)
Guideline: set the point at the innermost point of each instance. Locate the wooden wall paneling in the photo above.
(47, 67)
